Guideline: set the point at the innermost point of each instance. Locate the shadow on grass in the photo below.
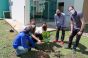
(47, 47)
(82, 49)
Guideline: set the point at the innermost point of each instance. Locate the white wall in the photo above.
(78, 4)
(17, 10)
(27, 12)
(67, 3)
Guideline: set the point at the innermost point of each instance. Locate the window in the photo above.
(7, 14)
(61, 6)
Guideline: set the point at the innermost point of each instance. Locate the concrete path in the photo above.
(19, 27)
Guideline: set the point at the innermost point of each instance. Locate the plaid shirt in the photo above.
(60, 20)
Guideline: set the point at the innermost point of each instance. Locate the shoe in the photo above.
(56, 41)
(18, 55)
(62, 43)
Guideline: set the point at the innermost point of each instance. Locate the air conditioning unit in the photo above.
(6, 14)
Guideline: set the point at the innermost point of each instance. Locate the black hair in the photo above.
(72, 6)
(75, 13)
(33, 22)
(27, 30)
(44, 27)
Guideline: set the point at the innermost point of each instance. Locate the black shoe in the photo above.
(11, 30)
(18, 55)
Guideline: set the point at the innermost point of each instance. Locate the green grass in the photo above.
(6, 38)
(53, 49)
(81, 50)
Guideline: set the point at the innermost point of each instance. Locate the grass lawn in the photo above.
(52, 49)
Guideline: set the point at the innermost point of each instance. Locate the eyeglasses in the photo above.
(70, 10)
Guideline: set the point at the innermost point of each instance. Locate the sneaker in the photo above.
(18, 55)
(56, 41)
(62, 43)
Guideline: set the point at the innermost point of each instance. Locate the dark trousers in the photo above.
(74, 33)
(63, 33)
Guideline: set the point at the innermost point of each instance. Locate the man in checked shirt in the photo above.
(60, 25)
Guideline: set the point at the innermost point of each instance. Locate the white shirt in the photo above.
(38, 30)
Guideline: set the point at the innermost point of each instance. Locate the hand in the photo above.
(79, 33)
(39, 42)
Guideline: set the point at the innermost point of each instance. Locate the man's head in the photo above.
(58, 12)
(33, 25)
(33, 22)
(44, 27)
(71, 10)
(28, 29)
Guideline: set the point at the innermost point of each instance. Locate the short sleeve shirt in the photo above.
(77, 20)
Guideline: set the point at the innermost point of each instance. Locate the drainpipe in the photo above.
(27, 12)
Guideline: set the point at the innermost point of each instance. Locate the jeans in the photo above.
(74, 33)
(63, 33)
(21, 50)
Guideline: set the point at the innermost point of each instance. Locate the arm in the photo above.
(34, 37)
(83, 24)
(64, 21)
(72, 24)
(55, 19)
(25, 43)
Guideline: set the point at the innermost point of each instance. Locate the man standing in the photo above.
(60, 25)
(77, 27)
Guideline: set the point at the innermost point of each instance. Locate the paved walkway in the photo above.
(19, 27)
(85, 34)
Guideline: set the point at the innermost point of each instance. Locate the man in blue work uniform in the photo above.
(23, 42)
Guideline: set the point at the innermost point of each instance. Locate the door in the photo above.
(42, 10)
(61, 6)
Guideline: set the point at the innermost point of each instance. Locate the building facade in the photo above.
(4, 6)
(44, 10)
(85, 10)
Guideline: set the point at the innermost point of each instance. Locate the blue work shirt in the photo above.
(24, 40)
